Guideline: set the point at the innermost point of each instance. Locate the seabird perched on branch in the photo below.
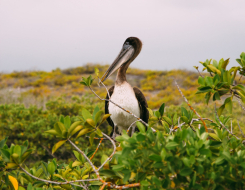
(122, 93)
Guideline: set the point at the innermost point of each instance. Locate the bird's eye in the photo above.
(126, 45)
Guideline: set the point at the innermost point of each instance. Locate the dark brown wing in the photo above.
(107, 109)
(144, 113)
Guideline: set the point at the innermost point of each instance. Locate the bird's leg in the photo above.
(132, 131)
(114, 132)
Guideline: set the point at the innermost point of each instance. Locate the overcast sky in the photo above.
(46, 34)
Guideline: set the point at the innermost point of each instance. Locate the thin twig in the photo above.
(239, 102)
(222, 123)
(240, 129)
(55, 182)
(105, 88)
(199, 73)
(179, 123)
(191, 106)
(96, 149)
(114, 151)
(131, 125)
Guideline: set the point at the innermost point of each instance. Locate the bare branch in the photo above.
(240, 129)
(222, 123)
(239, 102)
(191, 106)
(100, 82)
(96, 149)
(131, 125)
(55, 182)
(114, 151)
(179, 126)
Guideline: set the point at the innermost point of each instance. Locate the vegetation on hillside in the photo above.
(188, 151)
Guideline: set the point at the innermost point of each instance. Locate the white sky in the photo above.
(46, 34)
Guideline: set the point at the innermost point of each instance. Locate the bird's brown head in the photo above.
(130, 50)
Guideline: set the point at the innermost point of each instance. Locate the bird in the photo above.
(122, 93)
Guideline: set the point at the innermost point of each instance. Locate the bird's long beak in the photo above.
(123, 57)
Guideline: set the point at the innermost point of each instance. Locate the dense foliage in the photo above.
(181, 154)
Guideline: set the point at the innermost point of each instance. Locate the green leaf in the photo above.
(17, 150)
(216, 96)
(60, 128)
(226, 155)
(26, 155)
(220, 84)
(67, 122)
(239, 61)
(184, 112)
(201, 81)
(207, 97)
(97, 117)
(157, 114)
(29, 187)
(228, 104)
(155, 157)
(171, 145)
(166, 119)
(204, 151)
(240, 87)
(209, 81)
(96, 71)
(225, 63)
(103, 158)
(51, 168)
(216, 79)
(140, 137)
(96, 110)
(86, 115)
(185, 119)
(220, 63)
(161, 109)
(214, 136)
(91, 122)
(98, 132)
(118, 167)
(83, 132)
(220, 110)
(140, 126)
(186, 161)
(204, 89)
(52, 132)
(73, 127)
(144, 183)
(105, 117)
(78, 128)
(57, 145)
(91, 138)
(76, 163)
(2, 142)
(163, 153)
(219, 160)
(6, 155)
(186, 172)
(11, 165)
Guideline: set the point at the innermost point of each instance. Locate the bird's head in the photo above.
(130, 50)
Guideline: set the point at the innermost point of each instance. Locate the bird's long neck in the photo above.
(121, 74)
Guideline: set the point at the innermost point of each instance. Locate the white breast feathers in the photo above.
(124, 96)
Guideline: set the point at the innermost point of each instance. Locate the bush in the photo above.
(186, 152)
